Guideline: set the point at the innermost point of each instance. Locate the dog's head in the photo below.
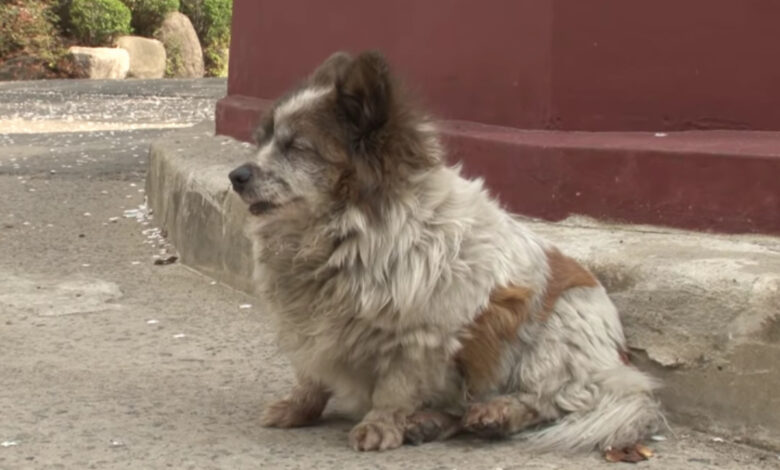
(347, 135)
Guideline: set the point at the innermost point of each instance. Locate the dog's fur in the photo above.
(404, 287)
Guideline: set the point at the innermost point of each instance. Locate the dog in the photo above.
(404, 288)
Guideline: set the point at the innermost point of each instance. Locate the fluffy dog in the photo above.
(405, 288)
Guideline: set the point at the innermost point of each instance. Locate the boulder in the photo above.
(100, 62)
(185, 55)
(147, 56)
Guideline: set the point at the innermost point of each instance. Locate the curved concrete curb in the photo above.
(701, 311)
(189, 193)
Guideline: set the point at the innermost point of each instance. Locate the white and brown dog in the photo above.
(404, 287)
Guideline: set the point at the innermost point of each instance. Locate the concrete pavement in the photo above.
(700, 310)
(110, 361)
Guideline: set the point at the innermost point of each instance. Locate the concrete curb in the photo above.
(701, 311)
(189, 194)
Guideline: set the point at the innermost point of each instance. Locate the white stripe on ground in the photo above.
(24, 126)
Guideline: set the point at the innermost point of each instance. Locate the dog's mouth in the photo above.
(262, 207)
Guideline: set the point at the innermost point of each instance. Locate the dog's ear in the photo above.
(364, 96)
(264, 130)
(331, 69)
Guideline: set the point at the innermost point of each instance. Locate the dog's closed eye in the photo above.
(295, 144)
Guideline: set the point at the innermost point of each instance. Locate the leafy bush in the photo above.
(28, 28)
(215, 61)
(174, 62)
(97, 22)
(61, 8)
(211, 19)
(149, 14)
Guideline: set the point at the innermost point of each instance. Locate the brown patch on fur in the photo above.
(508, 309)
(485, 338)
(565, 273)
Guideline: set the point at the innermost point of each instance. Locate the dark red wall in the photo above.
(504, 67)
(666, 64)
(540, 64)
(454, 52)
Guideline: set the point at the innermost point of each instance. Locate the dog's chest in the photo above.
(338, 352)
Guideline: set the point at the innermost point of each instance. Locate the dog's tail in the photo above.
(624, 414)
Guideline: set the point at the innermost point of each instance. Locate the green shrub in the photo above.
(211, 19)
(195, 12)
(28, 28)
(61, 8)
(174, 63)
(97, 22)
(215, 61)
(149, 14)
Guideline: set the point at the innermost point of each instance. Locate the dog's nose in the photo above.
(240, 177)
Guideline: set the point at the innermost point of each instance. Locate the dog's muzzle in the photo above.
(240, 178)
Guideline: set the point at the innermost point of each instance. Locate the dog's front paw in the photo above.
(288, 414)
(376, 435)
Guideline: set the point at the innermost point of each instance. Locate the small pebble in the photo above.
(179, 335)
(165, 261)
(245, 306)
(152, 322)
(9, 443)
(718, 439)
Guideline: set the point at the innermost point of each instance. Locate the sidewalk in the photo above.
(109, 361)
(701, 310)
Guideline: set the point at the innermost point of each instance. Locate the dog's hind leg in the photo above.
(303, 407)
(505, 415)
(429, 425)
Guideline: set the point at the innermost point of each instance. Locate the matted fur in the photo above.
(404, 288)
